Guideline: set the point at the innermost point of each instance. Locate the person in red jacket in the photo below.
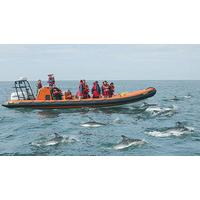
(96, 91)
(86, 90)
(106, 89)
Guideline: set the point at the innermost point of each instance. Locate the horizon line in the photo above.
(114, 80)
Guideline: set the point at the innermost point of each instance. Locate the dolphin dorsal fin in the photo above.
(124, 137)
(180, 125)
(56, 135)
(92, 120)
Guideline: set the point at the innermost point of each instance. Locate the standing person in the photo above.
(80, 90)
(96, 90)
(51, 80)
(86, 90)
(102, 88)
(112, 89)
(106, 89)
(39, 84)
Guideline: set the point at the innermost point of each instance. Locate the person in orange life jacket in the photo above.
(96, 90)
(51, 80)
(80, 90)
(86, 90)
(68, 94)
(112, 89)
(105, 89)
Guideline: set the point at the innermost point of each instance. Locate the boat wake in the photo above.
(176, 131)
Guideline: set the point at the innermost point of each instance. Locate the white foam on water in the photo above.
(188, 97)
(117, 121)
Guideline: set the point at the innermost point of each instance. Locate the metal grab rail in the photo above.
(23, 87)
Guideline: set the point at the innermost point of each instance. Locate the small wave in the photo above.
(188, 97)
(117, 121)
(2, 119)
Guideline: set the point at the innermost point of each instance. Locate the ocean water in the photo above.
(153, 123)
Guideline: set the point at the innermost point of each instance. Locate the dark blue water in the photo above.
(31, 132)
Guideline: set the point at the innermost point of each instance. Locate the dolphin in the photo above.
(56, 140)
(128, 142)
(93, 124)
(178, 130)
(175, 98)
(180, 126)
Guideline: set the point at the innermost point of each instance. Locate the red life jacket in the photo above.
(81, 90)
(106, 90)
(95, 91)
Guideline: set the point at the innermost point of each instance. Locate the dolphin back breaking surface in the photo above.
(128, 142)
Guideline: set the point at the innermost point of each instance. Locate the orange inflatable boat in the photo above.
(24, 98)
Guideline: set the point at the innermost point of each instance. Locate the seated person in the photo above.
(68, 95)
(56, 94)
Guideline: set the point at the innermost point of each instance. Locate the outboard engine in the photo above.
(15, 96)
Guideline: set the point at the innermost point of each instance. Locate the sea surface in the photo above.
(166, 125)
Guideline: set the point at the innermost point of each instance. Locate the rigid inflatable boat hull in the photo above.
(85, 103)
